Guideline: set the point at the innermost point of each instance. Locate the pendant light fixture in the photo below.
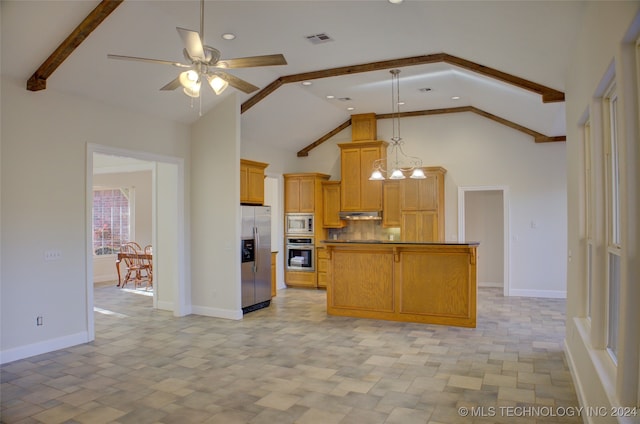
(398, 162)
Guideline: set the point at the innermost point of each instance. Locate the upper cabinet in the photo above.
(358, 193)
(303, 192)
(364, 127)
(331, 205)
(252, 182)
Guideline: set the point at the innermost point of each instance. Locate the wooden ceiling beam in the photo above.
(538, 137)
(548, 94)
(38, 80)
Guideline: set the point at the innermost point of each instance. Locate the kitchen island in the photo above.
(424, 282)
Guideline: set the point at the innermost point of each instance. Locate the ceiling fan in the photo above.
(204, 64)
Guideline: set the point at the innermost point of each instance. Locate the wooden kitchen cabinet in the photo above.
(331, 205)
(274, 281)
(302, 192)
(252, 182)
(364, 127)
(422, 206)
(391, 211)
(419, 226)
(356, 160)
(322, 265)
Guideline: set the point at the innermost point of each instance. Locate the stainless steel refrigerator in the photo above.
(255, 257)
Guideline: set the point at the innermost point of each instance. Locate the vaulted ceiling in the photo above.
(526, 40)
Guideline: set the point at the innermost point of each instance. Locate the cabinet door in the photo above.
(428, 226)
(244, 184)
(291, 195)
(419, 226)
(255, 182)
(350, 192)
(307, 194)
(371, 191)
(331, 205)
(420, 195)
(391, 204)
(428, 193)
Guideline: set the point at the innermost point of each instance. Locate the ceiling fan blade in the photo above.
(236, 82)
(144, 59)
(192, 43)
(172, 85)
(249, 62)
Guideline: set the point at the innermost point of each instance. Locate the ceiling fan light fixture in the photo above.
(217, 84)
(192, 91)
(189, 79)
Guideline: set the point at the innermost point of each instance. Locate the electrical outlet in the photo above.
(39, 321)
(52, 255)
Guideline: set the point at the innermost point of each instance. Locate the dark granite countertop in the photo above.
(448, 243)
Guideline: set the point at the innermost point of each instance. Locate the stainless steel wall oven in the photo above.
(300, 253)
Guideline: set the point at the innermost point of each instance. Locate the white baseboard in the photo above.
(104, 278)
(217, 312)
(165, 306)
(554, 294)
(490, 284)
(46, 346)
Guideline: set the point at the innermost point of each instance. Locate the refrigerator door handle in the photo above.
(256, 235)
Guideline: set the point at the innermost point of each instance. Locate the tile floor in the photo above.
(291, 363)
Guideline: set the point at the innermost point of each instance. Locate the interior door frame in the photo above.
(506, 235)
(180, 305)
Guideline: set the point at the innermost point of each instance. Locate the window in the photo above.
(111, 218)
(589, 215)
(612, 164)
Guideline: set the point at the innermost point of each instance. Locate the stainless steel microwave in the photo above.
(299, 223)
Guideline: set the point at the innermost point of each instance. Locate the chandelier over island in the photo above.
(397, 162)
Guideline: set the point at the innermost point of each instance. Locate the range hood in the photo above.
(361, 216)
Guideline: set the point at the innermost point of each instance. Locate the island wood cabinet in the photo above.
(331, 205)
(356, 160)
(252, 182)
(431, 283)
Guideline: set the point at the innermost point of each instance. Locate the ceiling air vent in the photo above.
(319, 38)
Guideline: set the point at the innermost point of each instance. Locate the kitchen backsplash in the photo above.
(364, 230)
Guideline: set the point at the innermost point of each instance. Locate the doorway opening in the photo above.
(483, 216)
(164, 207)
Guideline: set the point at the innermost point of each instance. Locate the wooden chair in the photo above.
(148, 265)
(136, 269)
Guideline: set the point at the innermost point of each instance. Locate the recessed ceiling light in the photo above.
(331, 97)
(395, 1)
(455, 98)
(351, 108)
(228, 36)
(400, 103)
(306, 83)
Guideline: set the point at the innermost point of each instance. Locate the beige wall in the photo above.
(44, 207)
